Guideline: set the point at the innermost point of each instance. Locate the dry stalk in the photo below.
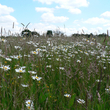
(13, 25)
(1, 31)
(4, 79)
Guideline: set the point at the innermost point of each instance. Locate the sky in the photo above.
(67, 16)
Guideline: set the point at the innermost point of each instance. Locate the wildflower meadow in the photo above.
(54, 73)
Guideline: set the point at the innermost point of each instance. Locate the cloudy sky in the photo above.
(68, 16)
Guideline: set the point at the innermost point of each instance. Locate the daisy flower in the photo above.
(38, 49)
(34, 52)
(62, 68)
(107, 90)
(4, 40)
(86, 53)
(16, 47)
(5, 67)
(67, 95)
(49, 66)
(78, 61)
(16, 56)
(92, 43)
(58, 59)
(19, 76)
(23, 85)
(81, 101)
(8, 59)
(98, 80)
(20, 70)
(36, 77)
(32, 72)
(29, 104)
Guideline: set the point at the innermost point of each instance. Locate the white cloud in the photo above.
(69, 31)
(106, 14)
(75, 10)
(5, 10)
(49, 17)
(44, 9)
(96, 20)
(71, 5)
(42, 27)
(46, 26)
(107, 25)
(76, 3)
(108, 29)
(76, 21)
(83, 29)
(99, 28)
(96, 30)
(6, 20)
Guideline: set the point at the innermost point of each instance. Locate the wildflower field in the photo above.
(58, 73)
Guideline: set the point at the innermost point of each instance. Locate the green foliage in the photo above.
(65, 68)
(43, 97)
(71, 102)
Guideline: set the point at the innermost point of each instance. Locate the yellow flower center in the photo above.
(20, 70)
(36, 77)
(29, 103)
(5, 68)
(34, 52)
(29, 107)
(47, 86)
(18, 56)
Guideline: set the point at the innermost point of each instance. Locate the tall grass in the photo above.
(72, 74)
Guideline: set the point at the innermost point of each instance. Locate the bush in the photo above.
(49, 33)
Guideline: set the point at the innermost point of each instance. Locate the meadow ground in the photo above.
(59, 73)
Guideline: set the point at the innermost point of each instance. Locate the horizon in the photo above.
(69, 16)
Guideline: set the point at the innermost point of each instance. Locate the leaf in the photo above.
(42, 97)
(51, 85)
(72, 100)
(99, 107)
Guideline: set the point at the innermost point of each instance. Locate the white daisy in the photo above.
(78, 61)
(20, 70)
(81, 101)
(36, 77)
(8, 59)
(32, 72)
(67, 95)
(29, 104)
(23, 85)
(5, 67)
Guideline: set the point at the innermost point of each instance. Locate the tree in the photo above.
(49, 33)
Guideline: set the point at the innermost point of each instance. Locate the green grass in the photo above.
(78, 79)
